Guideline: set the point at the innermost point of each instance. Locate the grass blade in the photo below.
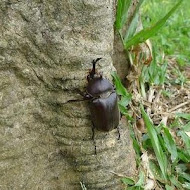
(169, 187)
(186, 185)
(145, 34)
(170, 144)
(175, 182)
(187, 127)
(184, 115)
(183, 155)
(134, 22)
(185, 176)
(128, 181)
(132, 28)
(156, 171)
(141, 180)
(155, 143)
(121, 90)
(122, 12)
(186, 140)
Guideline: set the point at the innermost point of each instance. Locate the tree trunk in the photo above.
(46, 50)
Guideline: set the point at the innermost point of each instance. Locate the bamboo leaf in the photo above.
(146, 33)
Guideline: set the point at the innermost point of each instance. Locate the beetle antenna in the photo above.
(93, 72)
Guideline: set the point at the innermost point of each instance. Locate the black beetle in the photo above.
(103, 101)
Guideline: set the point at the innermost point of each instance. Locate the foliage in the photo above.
(125, 97)
(170, 167)
(170, 160)
(130, 38)
(173, 39)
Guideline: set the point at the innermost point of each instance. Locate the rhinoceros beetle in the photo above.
(103, 102)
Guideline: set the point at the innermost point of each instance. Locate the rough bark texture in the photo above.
(46, 49)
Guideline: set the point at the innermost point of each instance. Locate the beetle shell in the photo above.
(105, 113)
(103, 105)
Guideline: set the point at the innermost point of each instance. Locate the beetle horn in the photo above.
(94, 67)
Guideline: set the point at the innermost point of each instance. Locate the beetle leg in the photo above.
(93, 137)
(119, 135)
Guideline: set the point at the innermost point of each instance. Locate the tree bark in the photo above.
(46, 50)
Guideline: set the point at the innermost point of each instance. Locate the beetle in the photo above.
(104, 109)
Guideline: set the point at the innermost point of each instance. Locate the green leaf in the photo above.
(180, 168)
(186, 127)
(83, 186)
(184, 115)
(125, 96)
(136, 145)
(183, 155)
(145, 34)
(121, 90)
(175, 182)
(156, 171)
(146, 142)
(140, 182)
(185, 176)
(170, 144)
(186, 185)
(155, 143)
(128, 181)
(134, 22)
(132, 28)
(186, 140)
(125, 100)
(122, 12)
(169, 187)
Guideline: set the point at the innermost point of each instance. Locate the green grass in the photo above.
(168, 161)
(174, 37)
(170, 164)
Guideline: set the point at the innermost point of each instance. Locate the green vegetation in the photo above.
(162, 152)
(174, 37)
(169, 163)
(129, 38)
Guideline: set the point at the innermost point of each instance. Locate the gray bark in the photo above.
(46, 49)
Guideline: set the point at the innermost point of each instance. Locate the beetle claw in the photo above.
(93, 138)
(119, 135)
